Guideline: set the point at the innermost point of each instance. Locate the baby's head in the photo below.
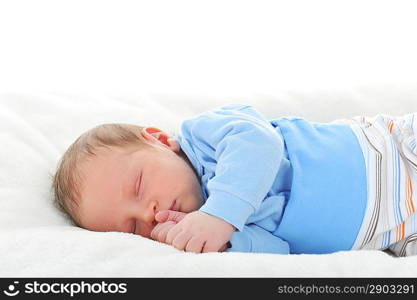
(116, 177)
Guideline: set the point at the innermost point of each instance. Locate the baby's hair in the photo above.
(68, 176)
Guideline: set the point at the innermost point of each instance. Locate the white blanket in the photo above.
(37, 241)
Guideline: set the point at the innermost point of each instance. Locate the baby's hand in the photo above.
(195, 232)
(171, 218)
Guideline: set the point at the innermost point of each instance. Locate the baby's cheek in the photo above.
(146, 230)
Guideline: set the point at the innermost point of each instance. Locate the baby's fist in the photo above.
(169, 215)
(166, 220)
(200, 232)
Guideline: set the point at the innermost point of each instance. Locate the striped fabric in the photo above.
(390, 152)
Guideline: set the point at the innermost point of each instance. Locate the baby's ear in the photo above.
(173, 144)
(150, 132)
(153, 134)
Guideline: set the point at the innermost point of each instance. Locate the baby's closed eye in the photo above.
(137, 184)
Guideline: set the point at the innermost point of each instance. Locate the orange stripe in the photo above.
(390, 126)
(411, 196)
(407, 194)
(402, 230)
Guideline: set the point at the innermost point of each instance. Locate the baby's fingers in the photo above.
(181, 240)
(211, 246)
(160, 231)
(172, 234)
(195, 244)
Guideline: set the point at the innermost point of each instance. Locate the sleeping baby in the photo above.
(234, 181)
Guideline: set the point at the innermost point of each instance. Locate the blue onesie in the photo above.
(288, 185)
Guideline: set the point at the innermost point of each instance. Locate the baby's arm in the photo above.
(247, 151)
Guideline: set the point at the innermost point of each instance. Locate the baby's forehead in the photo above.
(109, 159)
(105, 152)
(105, 156)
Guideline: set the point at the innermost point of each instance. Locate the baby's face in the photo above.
(123, 189)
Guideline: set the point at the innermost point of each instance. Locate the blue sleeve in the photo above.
(254, 239)
(247, 151)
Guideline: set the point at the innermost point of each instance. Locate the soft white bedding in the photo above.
(37, 241)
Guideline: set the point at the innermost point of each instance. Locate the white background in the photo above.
(204, 47)
(125, 48)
